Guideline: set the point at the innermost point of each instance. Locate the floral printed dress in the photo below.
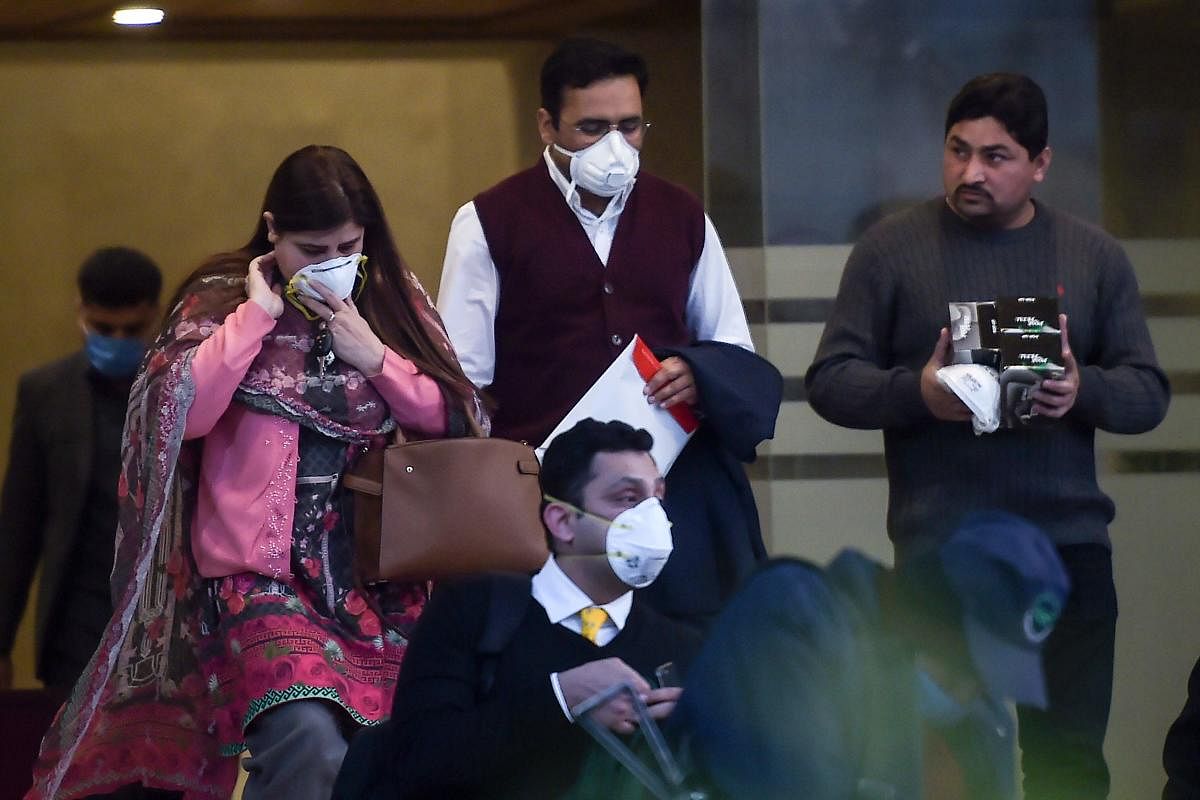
(315, 636)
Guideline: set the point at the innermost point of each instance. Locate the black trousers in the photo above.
(1181, 751)
(1062, 747)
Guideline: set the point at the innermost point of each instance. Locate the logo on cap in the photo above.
(1041, 616)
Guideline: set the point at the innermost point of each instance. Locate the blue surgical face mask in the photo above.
(114, 357)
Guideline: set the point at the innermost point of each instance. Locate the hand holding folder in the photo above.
(617, 394)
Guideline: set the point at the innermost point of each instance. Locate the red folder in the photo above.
(647, 365)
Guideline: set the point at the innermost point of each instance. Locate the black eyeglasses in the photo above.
(598, 127)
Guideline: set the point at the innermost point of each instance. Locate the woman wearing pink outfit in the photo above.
(239, 621)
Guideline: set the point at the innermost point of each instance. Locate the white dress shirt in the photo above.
(563, 600)
(470, 289)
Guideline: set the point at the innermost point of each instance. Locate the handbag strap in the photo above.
(476, 430)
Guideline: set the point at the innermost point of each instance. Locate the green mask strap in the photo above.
(292, 294)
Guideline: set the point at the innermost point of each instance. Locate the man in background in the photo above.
(59, 502)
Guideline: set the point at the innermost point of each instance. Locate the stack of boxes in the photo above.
(1019, 338)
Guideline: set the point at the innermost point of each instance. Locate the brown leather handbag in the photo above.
(444, 507)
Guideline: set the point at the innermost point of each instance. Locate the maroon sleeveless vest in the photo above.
(563, 315)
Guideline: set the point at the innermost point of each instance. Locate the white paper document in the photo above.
(617, 394)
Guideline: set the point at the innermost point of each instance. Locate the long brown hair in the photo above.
(317, 188)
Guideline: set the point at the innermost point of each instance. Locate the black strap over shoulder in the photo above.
(509, 595)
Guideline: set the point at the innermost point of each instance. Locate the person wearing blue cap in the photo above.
(859, 681)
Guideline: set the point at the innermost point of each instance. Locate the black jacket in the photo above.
(718, 539)
(49, 465)
(467, 724)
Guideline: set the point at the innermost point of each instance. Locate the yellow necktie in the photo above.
(591, 620)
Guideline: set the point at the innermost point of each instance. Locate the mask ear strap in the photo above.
(573, 187)
(292, 296)
(549, 498)
(579, 511)
(360, 279)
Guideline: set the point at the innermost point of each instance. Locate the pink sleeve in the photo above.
(415, 400)
(220, 363)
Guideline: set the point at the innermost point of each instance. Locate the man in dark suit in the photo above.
(59, 503)
(484, 703)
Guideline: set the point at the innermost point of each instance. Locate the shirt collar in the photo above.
(561, 598)
(570, 193)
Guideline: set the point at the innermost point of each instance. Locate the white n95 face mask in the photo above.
(979, 389)
(604, 167)
(639, 543)
(336, 274)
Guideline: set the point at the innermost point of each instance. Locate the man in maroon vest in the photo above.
(549, 275)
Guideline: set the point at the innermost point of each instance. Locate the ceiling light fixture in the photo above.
(138, 16)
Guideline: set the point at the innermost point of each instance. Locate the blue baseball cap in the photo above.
(1011, 585)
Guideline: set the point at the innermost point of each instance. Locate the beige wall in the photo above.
(170, 147)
